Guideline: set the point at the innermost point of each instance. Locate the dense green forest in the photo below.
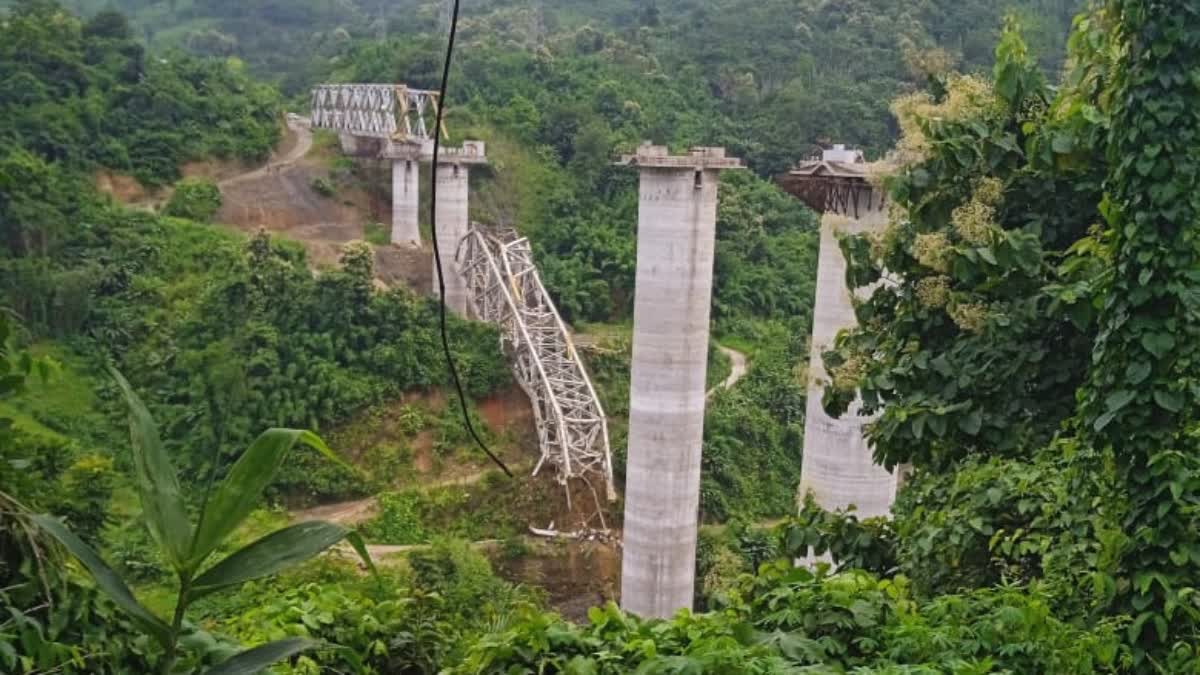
(1030, 354)
(778, 77)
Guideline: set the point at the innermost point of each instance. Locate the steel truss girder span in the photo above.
(505, 289)
(387, 111)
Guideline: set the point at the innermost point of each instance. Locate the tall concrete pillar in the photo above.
(838, 468)
(406, 201)
(677, 213)
(453, 223)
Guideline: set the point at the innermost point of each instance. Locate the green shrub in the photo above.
(310, 479)
(994, 521)
(852, 543)
(377, 234)
(323, 186)
(194, 199)
(400, 519)
(400, 622)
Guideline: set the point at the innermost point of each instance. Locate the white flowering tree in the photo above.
(979, 338)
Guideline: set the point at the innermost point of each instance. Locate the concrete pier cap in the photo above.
(406, 156)
(699, 158)
(676, 243)
(471, 152)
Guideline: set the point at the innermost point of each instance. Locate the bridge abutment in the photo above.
(677, 213)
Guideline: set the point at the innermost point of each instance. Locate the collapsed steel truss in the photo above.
(388, 111)
(825, 194)
(505, 289)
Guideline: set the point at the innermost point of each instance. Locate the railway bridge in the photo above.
(493, 278)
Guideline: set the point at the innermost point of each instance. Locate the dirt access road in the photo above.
(301, 131)
(739, 367)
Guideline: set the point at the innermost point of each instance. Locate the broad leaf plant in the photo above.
(189, 546)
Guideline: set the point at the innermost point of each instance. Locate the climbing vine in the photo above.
(1142, 395)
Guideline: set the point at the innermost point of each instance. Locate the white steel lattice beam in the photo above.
(389, 111)
(505, 289)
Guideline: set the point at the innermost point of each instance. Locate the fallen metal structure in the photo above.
(387, 111)
(835, 182)
(505, 289)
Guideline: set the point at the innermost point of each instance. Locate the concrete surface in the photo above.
(677, 209)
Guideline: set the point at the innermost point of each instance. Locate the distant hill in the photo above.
(795, 72)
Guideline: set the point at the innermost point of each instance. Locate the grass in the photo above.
(377, 234)
(740, 344)
(66, 404)
(324, 146)
(25, 422)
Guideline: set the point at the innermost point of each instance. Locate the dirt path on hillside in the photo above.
(740, 366)
(280, 198)
(359, 511)
(299, 148)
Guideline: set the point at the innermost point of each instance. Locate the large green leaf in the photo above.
(106, 579)
(158, 486)
(239, 493)
(275, 552)
(255, 660)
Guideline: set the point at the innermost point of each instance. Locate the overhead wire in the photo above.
(437, 253)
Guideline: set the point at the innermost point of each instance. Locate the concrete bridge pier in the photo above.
(838, 467)
(406, 201)
(453, 222)
(677, 213)
(453, 216)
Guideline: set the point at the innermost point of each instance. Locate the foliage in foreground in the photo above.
(188, 547)
(968, 347)
(1141, 400)
(1051, 522)
(1056, 337)
(416, 618)
(790, 620)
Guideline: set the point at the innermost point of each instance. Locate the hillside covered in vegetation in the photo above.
(1029, 354)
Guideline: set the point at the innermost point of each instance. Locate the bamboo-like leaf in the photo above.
(255, 660)
(360, 546)
(239, 493)
(275, 552)
(158, 486)
(106, 579)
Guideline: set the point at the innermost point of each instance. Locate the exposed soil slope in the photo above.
(280, 198)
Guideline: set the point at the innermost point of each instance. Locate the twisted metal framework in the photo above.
(388, 111)
(505, 289)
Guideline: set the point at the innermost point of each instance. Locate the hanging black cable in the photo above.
(437, 254)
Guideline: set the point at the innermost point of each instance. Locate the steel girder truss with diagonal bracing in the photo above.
(389, 111)
(506, 290)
